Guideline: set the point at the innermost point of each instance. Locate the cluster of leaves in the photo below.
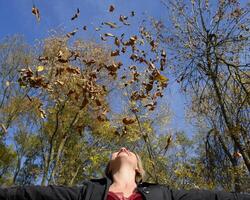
(143, 71)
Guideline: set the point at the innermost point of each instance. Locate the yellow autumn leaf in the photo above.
(161, 78)
(40, 68)
(7, 83)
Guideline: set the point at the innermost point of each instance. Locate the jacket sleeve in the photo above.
(207, 195)
(41, 193)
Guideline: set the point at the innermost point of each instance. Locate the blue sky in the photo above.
(16, 18)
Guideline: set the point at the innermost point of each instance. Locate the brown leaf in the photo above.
(131, 42)
(108, 35)
(163, 54)
(134, 110)
(43, 58)
(111, 8)
(71, 92)
(161, 78)
(151, 106)
(3, 128)
(115, 53)
(70, 34)
(73, 70)
(134, 57)
(89, 62)
(60, 82)
(123, 49)
(154, 45)
(42, 112)
(76, 14)
(110, 24)
(98, 102)
(128, 121)
(123, 19)
(36, 12)
(102, 117)
(117, 42)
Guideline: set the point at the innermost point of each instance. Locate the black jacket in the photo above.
(97, 190)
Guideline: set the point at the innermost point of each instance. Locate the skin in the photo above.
(123, 165)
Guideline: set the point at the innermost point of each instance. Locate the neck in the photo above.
(124, 178)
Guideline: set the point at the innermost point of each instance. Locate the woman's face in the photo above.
(126, 155)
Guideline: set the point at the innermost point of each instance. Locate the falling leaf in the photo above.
(110, 24)
(76, 15)
(111, 8)
(161, 78)
(89, 62)
(153, 45)
(115, 53)
(43, 58)
(123, 19)
(163, 53)
(42, 112)
(3, 128)
(73, 70)
(7, 83)
(102, 117)
(60, 82)
(151, 106)
(70, 34)
(134, 57)
(108, 35)
(117, 42)
(103, 38)
(40, 68)
(128, 121)
(123, 49)
(36, 12)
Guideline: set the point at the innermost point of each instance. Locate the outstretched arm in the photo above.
(207, 195)
(41, 193)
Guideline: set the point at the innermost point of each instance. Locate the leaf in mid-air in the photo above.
(110, 24)
(111, 8)
(128, 121)
(40, 68)
(70, 34)
(36, 12)
(76, 14)
(115, 53)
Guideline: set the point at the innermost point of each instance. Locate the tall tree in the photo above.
(208, 44)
